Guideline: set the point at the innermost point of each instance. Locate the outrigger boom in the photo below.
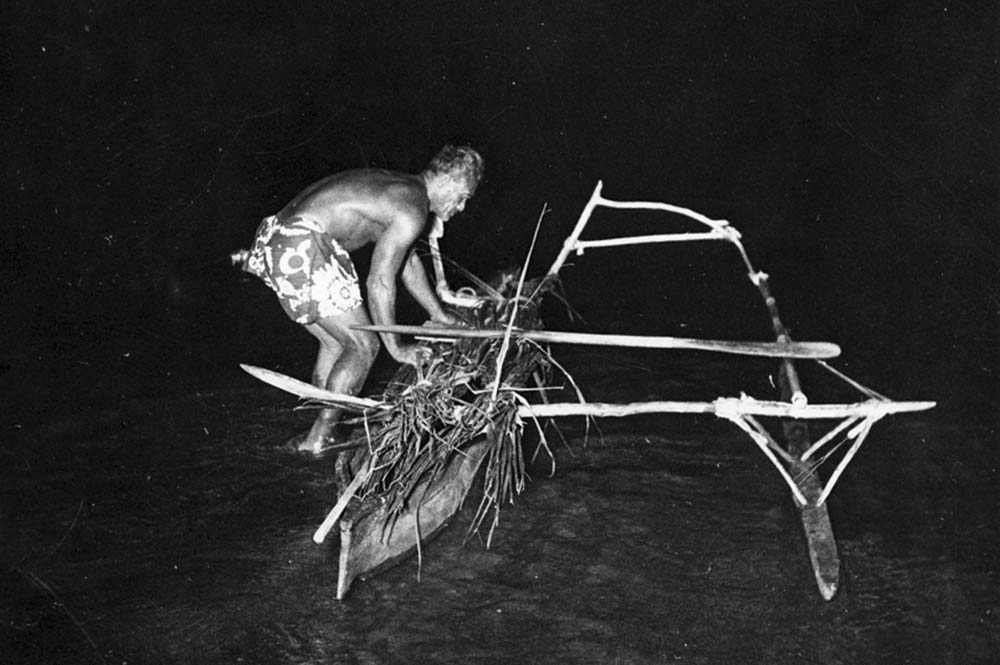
(727, 407)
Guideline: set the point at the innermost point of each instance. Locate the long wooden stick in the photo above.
(723, 406)
(582, 245)
(766, 349)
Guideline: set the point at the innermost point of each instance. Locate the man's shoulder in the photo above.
(374, 186)
(350, 200)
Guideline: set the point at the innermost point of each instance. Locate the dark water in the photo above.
(149, 511)
(178, 529)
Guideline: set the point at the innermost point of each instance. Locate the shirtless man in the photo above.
(302, 253)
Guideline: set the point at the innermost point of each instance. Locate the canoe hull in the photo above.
(372, 541)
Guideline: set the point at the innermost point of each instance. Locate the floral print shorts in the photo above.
(309, 270)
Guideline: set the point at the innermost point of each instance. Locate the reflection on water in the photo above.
(178, 531)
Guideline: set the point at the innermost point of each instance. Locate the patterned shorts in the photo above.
(311, 273)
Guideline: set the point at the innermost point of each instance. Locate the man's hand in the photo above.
(443, 319)
(412, 354)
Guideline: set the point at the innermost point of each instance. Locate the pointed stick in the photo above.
(509, 328)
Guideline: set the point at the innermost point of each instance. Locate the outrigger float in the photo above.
(421, 446)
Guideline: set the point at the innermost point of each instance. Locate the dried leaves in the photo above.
(440, 409)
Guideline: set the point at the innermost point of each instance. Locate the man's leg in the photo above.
(342, 365)
(329, 351)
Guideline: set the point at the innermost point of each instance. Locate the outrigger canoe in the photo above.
(377, 531)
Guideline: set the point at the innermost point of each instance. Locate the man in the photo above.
(302, 253)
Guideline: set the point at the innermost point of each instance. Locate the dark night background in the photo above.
(853, 144)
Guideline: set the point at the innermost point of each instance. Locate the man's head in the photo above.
(452, 178)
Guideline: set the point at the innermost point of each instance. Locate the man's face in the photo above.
(453, 192)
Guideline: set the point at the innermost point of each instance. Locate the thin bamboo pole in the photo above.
(865, 428)
(767, 349)
(829, 437)
(509, 328)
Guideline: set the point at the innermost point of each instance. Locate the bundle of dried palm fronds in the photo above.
(468, 391)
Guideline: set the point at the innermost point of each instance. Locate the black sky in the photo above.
(854, 144)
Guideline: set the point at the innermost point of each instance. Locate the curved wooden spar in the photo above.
(309, 391)
(811, 350)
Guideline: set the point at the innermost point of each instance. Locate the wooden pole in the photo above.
(569, 244)
(766, 349)
(582, 245)
(850, 420)
(715, 224)
(865, 428)
(723, 407)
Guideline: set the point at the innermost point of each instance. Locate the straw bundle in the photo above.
(438, 410)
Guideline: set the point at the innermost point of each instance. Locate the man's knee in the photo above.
(367, 346)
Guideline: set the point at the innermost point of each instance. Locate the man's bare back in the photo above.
(356, 207)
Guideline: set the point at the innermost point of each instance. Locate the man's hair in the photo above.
(455, 159)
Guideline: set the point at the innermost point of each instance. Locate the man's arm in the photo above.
(416, 282)
(390, 250)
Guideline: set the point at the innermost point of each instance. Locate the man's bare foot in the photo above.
(303, 444)
(317, 446)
